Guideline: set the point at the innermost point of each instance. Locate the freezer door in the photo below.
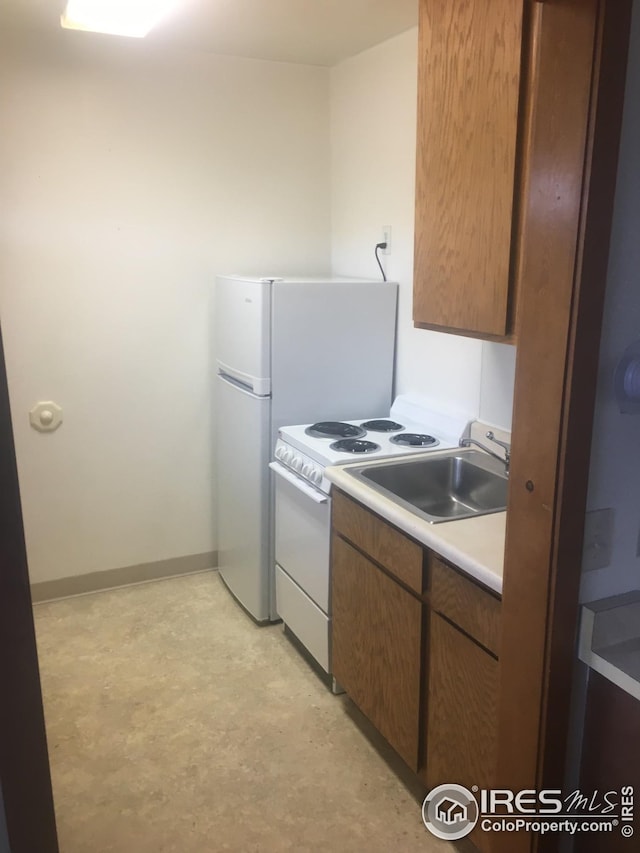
(243, 324)
(243, 490)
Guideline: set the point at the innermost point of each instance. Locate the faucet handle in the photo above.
(507, 447)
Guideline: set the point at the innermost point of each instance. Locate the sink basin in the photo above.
(459, 484)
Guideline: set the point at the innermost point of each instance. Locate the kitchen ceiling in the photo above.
(315, 32)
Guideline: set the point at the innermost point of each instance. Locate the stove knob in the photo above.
(307, 471)
(317, 476)
(280, 451)
(297, 463)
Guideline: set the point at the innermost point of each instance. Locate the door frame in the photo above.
(576, 75)
(24, 763)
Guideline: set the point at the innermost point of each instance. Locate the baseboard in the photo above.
(125, 576)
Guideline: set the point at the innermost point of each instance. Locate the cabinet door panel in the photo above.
(461, 712)
(468, 93)
(376, 640)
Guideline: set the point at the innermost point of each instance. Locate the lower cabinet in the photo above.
(415, 644)
(461, 730)
(377, 635)
(459, 720)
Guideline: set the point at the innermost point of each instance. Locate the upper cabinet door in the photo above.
(468, 93)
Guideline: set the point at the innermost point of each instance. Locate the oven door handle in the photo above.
(309, 491)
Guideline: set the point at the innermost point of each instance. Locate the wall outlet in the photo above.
(598, 539)
(386, 238)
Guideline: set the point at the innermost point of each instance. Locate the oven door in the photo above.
(302, 534)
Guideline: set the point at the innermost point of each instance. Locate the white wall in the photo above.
(129, 176)
(497, 384)
(373, 146)
(614, 477)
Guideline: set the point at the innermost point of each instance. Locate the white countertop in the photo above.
(474, 545)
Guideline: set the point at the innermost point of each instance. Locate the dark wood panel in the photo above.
(558, 316)
(462, 727)
(468, 94)
(473, 609)
(24, 764)
(376, 644)
(583, 357)
(398, 554)
(560, 97)
(610, 757)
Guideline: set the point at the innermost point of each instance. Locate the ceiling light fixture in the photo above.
(133, 18)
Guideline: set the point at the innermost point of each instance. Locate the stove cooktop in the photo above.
(330, 450)
(411, 427)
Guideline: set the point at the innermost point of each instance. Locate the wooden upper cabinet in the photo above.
(469, 73)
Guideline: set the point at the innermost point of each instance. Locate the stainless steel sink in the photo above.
(459, 484)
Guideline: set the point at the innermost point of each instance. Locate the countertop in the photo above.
(474, 545)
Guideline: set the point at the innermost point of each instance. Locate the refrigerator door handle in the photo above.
(309, 491)
(259, 387)
(240, 386)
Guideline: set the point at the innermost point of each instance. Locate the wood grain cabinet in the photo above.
(377, 639)
(460, 719)
(469, 109)
(377, 577)
(415, 644)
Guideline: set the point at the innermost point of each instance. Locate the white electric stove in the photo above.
(303, 504)
(411, 427)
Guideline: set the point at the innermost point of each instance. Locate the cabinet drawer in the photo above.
(466, 604)
(399, 555)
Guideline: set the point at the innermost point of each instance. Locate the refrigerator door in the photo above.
(243, 324)
(243, 485)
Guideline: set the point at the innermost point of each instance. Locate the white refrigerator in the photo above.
(288, 351)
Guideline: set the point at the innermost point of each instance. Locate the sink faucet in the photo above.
(467, 442)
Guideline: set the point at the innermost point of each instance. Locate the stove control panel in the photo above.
(298, 462)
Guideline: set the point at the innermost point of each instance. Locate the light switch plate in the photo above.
(598, 539)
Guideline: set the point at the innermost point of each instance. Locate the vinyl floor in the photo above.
(175, 724)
